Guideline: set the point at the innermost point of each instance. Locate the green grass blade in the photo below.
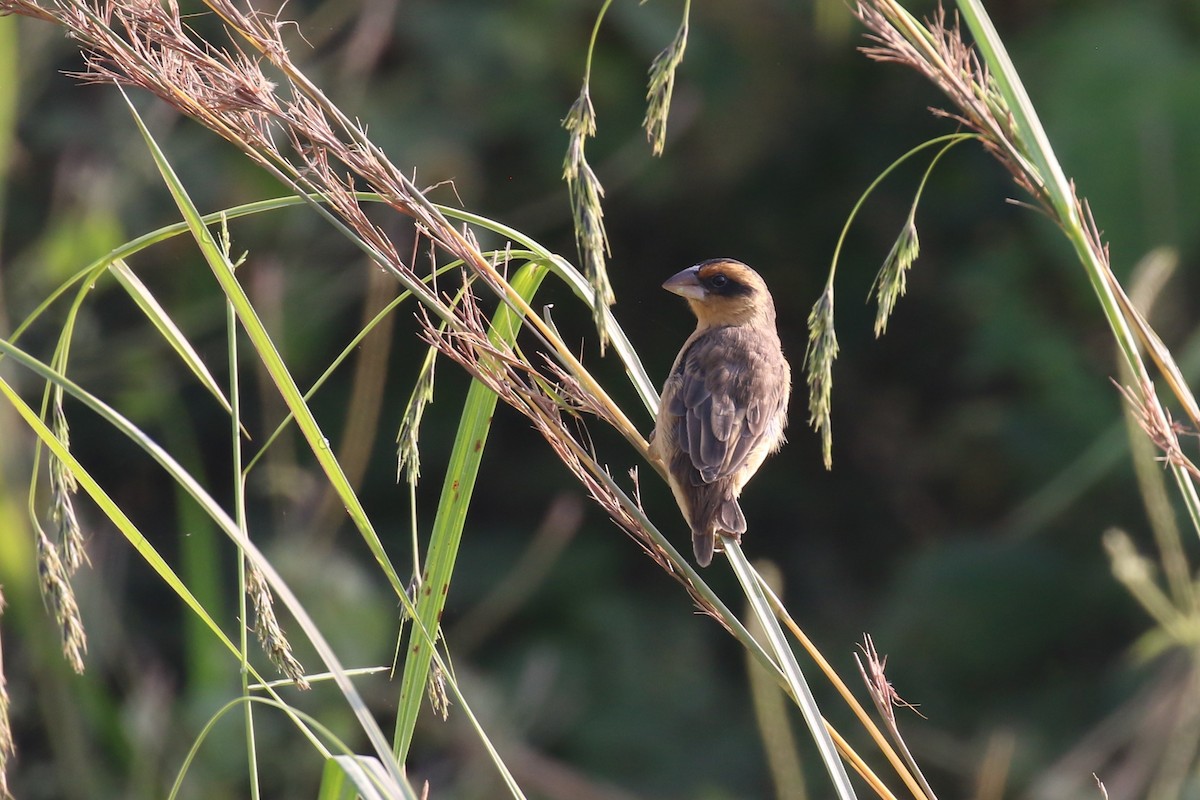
(134, 246)
(286, 385)
(446, 536)
(210, 506)
(269, 355)
(167, 328)
(1037, 144)
(105, 503)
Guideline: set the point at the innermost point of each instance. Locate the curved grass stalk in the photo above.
(947, 139)
(752, 586)
(134, 246)
(822, 347)
(380, 782)
(446, 536)
(881, 741)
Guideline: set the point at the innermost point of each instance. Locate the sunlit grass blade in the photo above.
(286, 385)
(771, 711)
(166, 328)
(210, 507)
(446, 536)
(778, 645)
(105, 503)
(350, 777)
(270, 357)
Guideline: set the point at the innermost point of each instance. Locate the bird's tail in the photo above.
(727, 519)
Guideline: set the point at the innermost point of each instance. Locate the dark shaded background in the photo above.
(1000, 616)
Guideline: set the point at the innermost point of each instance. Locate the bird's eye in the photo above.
(718, 281)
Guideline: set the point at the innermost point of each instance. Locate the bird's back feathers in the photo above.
(723, 412)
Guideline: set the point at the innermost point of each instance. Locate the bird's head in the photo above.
(722, 292)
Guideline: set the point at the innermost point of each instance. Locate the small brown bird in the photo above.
(724, 405)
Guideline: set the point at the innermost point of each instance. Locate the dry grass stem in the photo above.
(886, 700)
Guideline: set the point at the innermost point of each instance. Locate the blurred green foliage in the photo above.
(992, 379)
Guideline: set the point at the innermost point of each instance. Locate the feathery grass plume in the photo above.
(63, 486)
(938, 52)
(408, 457)
(294, 133)
(891, 282)
(59, 598)
(8, 748)
(886, 700)
(818, 362)
(585, 193)
(266, 627)
(1158, 425)
(662, 85)
(439, 700)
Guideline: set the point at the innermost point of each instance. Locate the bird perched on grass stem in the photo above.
(724, 405)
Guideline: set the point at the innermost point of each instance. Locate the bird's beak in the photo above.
(686, 284)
